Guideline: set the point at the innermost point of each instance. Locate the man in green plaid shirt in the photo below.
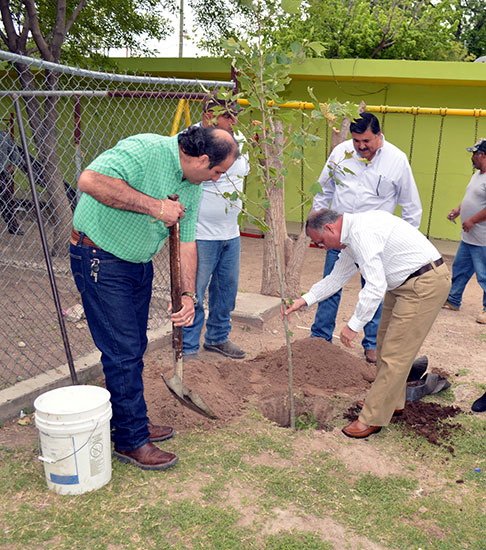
(120, 223)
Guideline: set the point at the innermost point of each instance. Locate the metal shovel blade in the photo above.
(187, 397)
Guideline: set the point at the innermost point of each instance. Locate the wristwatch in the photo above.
(193, 296)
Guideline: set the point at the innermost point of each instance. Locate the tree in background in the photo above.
(471, 30)
(385, 29)
(68, 31)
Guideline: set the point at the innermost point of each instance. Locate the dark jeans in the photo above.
(116, 305)
(325, 320)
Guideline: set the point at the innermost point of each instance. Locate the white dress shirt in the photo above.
(378, 185)
(217, 218)
(386, 250)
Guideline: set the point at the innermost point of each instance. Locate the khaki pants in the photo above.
(408, 314)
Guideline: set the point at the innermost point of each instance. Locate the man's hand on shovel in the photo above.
(170, 212)
(185, 316)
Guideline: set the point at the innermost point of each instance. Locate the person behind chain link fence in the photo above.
(120, 223)
(12, 154)
(471, 254)
(218, 244)
(399, 263)
(364, 173)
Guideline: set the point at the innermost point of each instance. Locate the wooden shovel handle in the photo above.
(175, 277)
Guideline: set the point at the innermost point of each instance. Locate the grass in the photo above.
(254, 485)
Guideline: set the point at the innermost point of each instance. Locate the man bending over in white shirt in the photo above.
(399, 263)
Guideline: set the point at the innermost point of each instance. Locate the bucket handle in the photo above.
(52, 461)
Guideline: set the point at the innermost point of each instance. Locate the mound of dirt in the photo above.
(321, 371)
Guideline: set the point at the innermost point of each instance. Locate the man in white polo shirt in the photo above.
(218, 244)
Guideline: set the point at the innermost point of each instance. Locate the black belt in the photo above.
(424, 269)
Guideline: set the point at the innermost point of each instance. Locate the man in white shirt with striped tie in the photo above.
(398, 263)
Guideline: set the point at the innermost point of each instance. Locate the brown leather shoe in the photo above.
(160, 433)
(147, 457)
(360, 404)
(352, 430)
(370, 356)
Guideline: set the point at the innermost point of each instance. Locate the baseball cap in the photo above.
(212, 101)
(479, 146)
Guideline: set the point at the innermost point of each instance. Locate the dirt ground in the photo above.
(328, 378)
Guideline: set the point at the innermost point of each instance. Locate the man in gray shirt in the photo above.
(471, 254)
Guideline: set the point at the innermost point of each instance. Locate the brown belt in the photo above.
(76, 237)
(425, 268)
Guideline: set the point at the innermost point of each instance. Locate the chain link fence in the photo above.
(68, 116)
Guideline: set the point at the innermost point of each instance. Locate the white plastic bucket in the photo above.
(74, 438)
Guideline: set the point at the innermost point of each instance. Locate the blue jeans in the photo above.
(325, 320)
(218, 261)
(116, 305)
(469, 259)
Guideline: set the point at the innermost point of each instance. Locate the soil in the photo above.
(424, 419)
(328, 378)
(322, 373)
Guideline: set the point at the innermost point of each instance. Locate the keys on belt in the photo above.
(95, 267)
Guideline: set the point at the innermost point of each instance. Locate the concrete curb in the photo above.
(88, 367)
(251, 309)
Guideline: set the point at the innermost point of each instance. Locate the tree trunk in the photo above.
(295, 263)
(44, 134)
(291, 253)
(338, 136)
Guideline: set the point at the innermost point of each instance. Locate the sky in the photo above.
(170, 46)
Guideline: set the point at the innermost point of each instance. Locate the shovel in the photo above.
(187, 397)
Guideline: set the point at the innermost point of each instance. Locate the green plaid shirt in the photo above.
(149, 163)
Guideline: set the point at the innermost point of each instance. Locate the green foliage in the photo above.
(306, 421)
(389, 29)
(100, 25)
(472, 25)
(263, 76)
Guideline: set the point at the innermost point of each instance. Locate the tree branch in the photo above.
(12, 37)
(75, 14)
(36, 31)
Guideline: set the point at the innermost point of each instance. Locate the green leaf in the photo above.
(315, 188)
(291, 6)
(317, 47)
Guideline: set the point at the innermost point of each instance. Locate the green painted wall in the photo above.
(381, 82)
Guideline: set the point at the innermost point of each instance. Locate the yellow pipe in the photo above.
(388, 109)
(177, 118)
(443, 111)
(183, 107)
(187, 114)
